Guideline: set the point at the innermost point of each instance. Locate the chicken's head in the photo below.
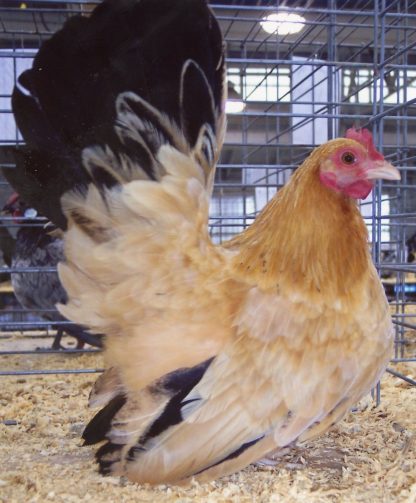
(353, 164)
(18, 209)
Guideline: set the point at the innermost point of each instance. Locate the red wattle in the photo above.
(359, 189)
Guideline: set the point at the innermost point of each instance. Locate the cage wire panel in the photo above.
(350, 63)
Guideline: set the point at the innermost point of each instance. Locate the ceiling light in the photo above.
(234, 106)
(283, 23)
(234, 103)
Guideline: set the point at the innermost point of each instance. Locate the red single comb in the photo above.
(364, 137)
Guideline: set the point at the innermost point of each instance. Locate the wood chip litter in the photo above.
(369, 457)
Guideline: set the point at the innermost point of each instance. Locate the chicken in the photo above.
(216, 355)
(40, 291)
(7, 244)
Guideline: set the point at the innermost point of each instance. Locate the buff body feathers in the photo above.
(216, 354)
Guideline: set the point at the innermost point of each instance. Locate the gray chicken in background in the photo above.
(37, 246)
(7, 244)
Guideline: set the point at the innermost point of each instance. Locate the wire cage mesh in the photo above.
(292, 86)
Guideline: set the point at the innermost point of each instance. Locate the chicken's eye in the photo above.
(348, 158)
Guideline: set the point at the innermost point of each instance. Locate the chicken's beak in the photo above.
(382, 170)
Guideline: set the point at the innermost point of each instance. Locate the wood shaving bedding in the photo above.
(370, 456)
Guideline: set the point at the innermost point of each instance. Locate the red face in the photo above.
(352, 168)
(17, 209)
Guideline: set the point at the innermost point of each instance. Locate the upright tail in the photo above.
(115, 104)
(67, 100)
(141, 84)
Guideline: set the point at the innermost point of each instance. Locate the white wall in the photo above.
(10, 69)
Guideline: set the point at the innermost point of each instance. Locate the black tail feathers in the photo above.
(170, 390)
(67, 100)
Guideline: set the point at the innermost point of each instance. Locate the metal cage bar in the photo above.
(353, 62)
